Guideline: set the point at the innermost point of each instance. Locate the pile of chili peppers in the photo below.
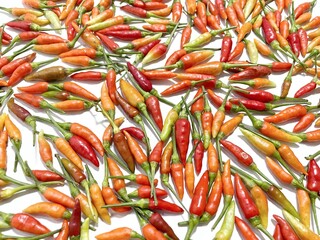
(192, 152)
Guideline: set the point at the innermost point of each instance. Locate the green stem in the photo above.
(226, 203)
(314, 211)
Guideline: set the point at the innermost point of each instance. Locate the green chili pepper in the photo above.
(54, 20)
(228, 224)
(252, 51)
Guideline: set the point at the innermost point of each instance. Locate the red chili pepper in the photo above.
(277, 235)
(24, 222)
(286, 230)
(75, 220)
(46, 175)
(226, 47)
(145, 49)
(88, 76)
(143, 82)
(198, 203)
(9, 68)
(182, 135)
(251, 72)
(176, 11)
(185, 36)
(304, 122)
(313, 180)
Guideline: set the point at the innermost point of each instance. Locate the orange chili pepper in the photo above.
(212, 163)
(64, 233)
(53, 210)
(278, 171)
(304, 207)
(106, 102)
(72, 105)
(228, 127)
(288, 155)
(56, 196)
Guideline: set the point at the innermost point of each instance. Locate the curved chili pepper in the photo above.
(227, 227)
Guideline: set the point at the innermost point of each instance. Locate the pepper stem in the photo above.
(73, 42)
(67, 135)
(42, 236)
(193, 223)
(312, 156)
(314, 211)
(262, 229)
(155, 93)
(219, 154)
(6, 178)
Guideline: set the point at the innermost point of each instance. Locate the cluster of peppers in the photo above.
(99, 28)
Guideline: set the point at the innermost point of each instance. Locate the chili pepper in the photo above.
(70, 4)
(50, 209)
(228, 191)
(56, 196)
(24, 222)
(248, 206)
(73, 105)
(304, 207)
(75, 220)
(64, 232)
(143, 82)
(219, 117)
(23, 114)
(304, 122)
(244, 229)
(182, 133)
(143, 50)
(25, 69)
(198, 203)
(155, 158)
(226, 47)
(146, 203)
(58, 48)
(237, 51)
(144, 191)
(243, 157)
(287, 114)
(185, 36)
(46, 176)
(227, 226)
(228, 127)
(176, 11)
(177, 165)
(198, 106)
(284, 28)
(221, 9)
(97, 198)
(137, 178)
(264, 50)
(121, 233)
(277, 235)
(285, 228)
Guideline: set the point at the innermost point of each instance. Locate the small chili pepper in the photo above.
(304, 207)
(198, 203)
(56, 196)
(287, 114)
(50, 209)
(227, 226)
(144, 191)
(97, 198)
(64, 232)
(228, 191)
(285, 228)
(121, 233)
(148, 203)
(75, 220)
(277, 235)
(24, 222)
(46, 175)
(185, 36)
(176, 11)
(245, 229)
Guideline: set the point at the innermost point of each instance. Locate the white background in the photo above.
(97, 123)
